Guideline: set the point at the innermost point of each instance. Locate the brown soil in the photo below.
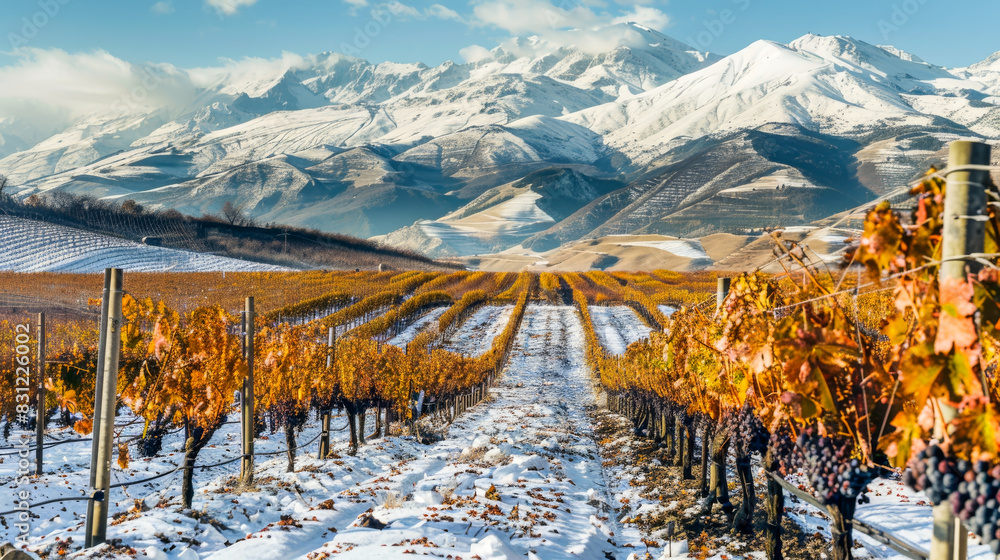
(706, 535)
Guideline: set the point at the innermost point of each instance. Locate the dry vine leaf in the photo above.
(957, 326)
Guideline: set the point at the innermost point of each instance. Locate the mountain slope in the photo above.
(647, 136)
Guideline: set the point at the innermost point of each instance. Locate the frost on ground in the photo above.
(650, 493)
(537, 471)
(617, 326)
(516, 476)
(478, 331)
(417, 326)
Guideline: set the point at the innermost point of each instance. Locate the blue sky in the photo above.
(200, 33)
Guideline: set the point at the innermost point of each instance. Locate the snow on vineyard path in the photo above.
(415, 328)
(617, 326)
(478, 331)
(532, 441)
(667, 310)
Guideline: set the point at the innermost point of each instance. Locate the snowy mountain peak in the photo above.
(287, 93)
(991, 62)
(890, 65)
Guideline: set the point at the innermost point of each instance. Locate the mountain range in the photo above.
(530, 155)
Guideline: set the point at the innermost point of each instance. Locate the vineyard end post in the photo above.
(105, 393)
(964, 203)
(40, 396)
(246, 396)
(99, 379)
(963, 235)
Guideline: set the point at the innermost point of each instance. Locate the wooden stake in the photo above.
(246, 396)
(105, 396)
(965, 199)
(324, 439)
(963, 234)
(721, 291)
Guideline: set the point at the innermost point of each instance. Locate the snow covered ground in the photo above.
(477, 333)
(532, 444)
(688, 248)
(418, 326)
(617, 326)
(31, 246)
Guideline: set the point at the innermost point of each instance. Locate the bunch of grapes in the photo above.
(933, 473)
(833, 474)
(972, 489)
(746, 431)
(783, 445)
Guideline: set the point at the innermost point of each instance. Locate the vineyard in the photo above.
(847, 412)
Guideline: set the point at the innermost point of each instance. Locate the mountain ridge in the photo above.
(336, 143)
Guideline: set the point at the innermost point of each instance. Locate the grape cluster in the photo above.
(933, 473)
(746, 432)
(833, 474)
(782, 444)
(972, 490)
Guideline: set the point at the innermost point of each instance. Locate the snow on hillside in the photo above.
(438, 136)
(834, 85)
(688, 248)
(30, 246)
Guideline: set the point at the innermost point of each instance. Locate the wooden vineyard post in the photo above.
(721, 291)
(963, 234)
(40, 396)
(105, 397)
(324, 438)
(965, 200)
(246, 396)
(774, 504)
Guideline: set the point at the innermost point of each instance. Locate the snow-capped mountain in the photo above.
(431, 157)
(830, 85)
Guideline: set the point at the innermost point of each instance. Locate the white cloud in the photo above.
(246, 74)
(162, 8)
(521, 17)
(397, 8)
(645, 15)
(541, 26)
(48, 89)
(408, 12)
(355, 5)
(229, 7)
(474, 53)
(442, 12)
